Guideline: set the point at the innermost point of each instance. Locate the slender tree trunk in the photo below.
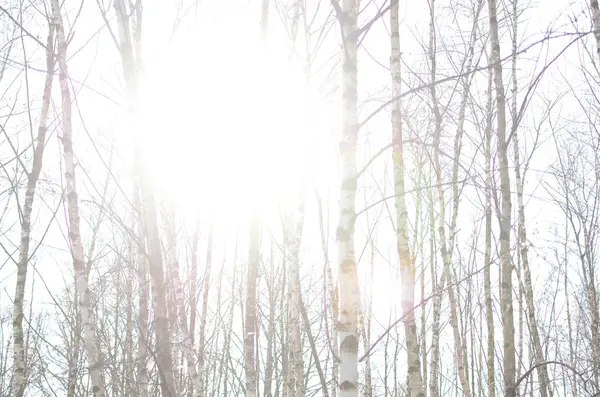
(181, 315)
(588, 267)
(205, 291)
(143, 287)
(407, 269)
(365, 325)
(250, 321)
(347, 325)
(264, 19)
(19, 379)
(420, 219)
(74, 350)
(270, 360)
(332, 293)
(487, 287)
(131, 59)
(574, 389)
(542, 370)
(293, 235)
(437, 288)
(445, 250)
(81, 273)
(506, 301)
(193, 282)
(596, 21)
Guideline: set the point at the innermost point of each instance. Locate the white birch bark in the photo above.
(332, 294)
(347, 324)
(542, 370)
(250, 321)
(506, 301)
(446, 246)
(81, 279)
(130, 49)
(205, 291)
(487, 261)
(19, 380)
(181, 322)
(407, 270)
(293, 235)
(596, 22)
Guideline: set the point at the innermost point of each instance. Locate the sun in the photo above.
(230, 127)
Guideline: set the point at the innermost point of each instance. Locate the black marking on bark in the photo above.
(350, 343)
(347, 385)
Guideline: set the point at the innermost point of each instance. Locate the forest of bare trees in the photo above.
(297, 198)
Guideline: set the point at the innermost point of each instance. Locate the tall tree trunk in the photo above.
(143, 287)
(193, 283)
(446, 251)
(293, 235)
(506, 301)
(179, 303)
(81, 273)
(437, 288)
(332, 294)
(270, 360)
(130, 48)
(250, 321)
(407, 269)
(596, 22)
(347, 325)
(542, 370)
(487, 260)
(205, 291)
(19, 379)
(574, 389)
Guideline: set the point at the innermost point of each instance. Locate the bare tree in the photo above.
(506, 301)
(19, 380)
(407, 266)
(347, 323)
(81, 272)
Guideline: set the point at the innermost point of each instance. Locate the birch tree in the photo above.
(545, 389)
(130, 50)
(347, 323)
(19, 379)
(250, 325)
(292, 236)
(407, 267)
(506, 301)
(81, 273)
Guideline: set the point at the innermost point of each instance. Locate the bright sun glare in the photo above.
(231, 126)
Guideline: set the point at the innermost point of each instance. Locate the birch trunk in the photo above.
(542, 370)
(347, 324)
(270, 360)
(487, 288)
(205, 290)
(574, 389)
(250, 322)
(192, 291)
(81, 274)
(407, 269)
(74, 350)
(130, 49)
(142, 372)
(596, 22)
(332, 293)
(447, 246)
(187, 346)
(19, 379)
(293, 235)
(437, 288)
(506, 301)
